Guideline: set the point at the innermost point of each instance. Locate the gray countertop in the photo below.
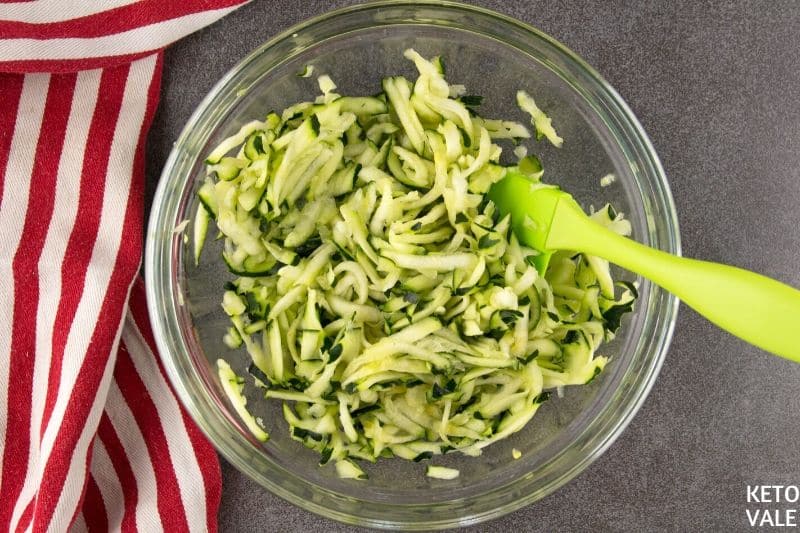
(716, 86)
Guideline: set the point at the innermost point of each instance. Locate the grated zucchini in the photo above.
(441, 472)
(378, 293)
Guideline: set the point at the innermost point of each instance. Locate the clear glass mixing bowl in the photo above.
(493, 56)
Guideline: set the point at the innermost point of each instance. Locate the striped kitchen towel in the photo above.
(91, 435)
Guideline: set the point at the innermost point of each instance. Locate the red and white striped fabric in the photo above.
(91, 435)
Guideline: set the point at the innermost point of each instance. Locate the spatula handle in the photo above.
(755, 308)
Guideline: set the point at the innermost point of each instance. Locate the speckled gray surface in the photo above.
(716, 87)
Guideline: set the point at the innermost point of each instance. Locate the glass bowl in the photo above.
(494, 56)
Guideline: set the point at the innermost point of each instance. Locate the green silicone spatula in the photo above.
(757, 309)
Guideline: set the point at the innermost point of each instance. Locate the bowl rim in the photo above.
(154, 294)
